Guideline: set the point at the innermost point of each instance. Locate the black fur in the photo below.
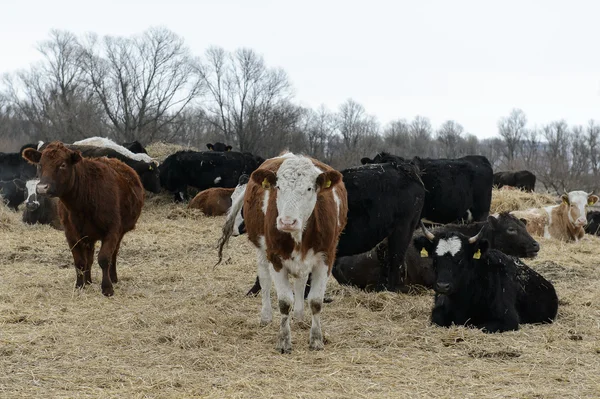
(523, 179)
(12, 193)
(136, 147)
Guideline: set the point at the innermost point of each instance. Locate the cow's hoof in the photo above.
(327, 299)
(284, 345)
(265, 322)
(316, 345)
(108, 291)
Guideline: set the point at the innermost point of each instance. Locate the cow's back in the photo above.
(537, 220)
(213, 201)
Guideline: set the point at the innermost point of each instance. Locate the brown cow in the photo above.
(100, 199)
(213, 201)
(295, 208)
(563, 222)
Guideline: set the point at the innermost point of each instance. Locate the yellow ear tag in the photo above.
(151, 167)
(590, 202)
(328, 184)
(424, 253)
(477, 254)
(266, 185)
(565, 201)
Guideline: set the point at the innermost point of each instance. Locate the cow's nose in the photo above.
(41, 188)
(536, 246)
(288, 223)
(442, 287)
(582, 221)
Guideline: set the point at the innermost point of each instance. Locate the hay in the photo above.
(161, 150)
(177, 327)
(518, 200)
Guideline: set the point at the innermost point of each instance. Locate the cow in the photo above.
(40, 208)
(12, 193)
(482, 287)
(108, 143)
(563, 222)
(295, 209)
(503, 232)
(13, 166)
(219, 147)
(204, 170)
(384, 202)
(212, 201)
(456, 189)
(136, 147)
(147, 171)
(523, 179)
(593, 223)
(100, 199)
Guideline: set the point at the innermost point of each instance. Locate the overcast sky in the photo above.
(467, 60)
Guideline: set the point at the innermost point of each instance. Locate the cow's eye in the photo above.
(63, 165)
(512, 230)
(310, 189)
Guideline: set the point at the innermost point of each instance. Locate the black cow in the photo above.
(456, 189)
(384, 202)
(136, 147)
(483, 287)
(204, 170)
(147, 171)
(593, 223)
(505, 233)
(13, 166)
(12, 193)
(524, 180)
(220, 147)
(40, 208)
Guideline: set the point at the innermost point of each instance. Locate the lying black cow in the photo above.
(483, 287)
(384, 201)
(524, 180)
(12, 193)
(40, 208)
(147, 171)
(593, 223)
(505, 233)
(456, 189)
(136, 147)
(221, 147)
(204, 170)
(13, 166)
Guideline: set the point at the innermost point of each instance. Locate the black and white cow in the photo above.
(456, 189)
(13, 166)
(40, 208)
(593, 223)
(12, 193)
(204, 170)
(523, 179)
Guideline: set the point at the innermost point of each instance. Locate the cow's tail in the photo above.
(235, 208)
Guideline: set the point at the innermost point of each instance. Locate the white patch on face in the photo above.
(451, 246)
(578, 201)
(286, 155)
(338, 204)
(217, 180)
(265, 203)
(30, 186)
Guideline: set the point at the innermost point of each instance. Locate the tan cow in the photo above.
(213, 201)
(564, 222)
(295, 208)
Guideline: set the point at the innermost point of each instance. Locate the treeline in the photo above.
(150, 88)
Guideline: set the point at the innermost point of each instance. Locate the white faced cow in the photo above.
(295, 208)
(564, 222)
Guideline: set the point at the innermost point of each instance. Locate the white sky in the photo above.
(467, 60)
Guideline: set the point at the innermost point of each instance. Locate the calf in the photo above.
(213, 201)
(12, 193)
(524, 180)
(295, 209)
(40, 208)
(563, 222)
(100, 199)
(219, 147)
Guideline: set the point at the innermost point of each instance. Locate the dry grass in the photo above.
(178, 328)
(161, 150)
(518, 200)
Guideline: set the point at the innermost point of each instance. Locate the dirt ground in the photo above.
(178, 327)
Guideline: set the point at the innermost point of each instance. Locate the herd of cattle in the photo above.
(366, 225)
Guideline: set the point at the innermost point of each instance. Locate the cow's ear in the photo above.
(229, 148)
(366, 160)
(565, 199)
(524, 221)
(32, 156)
(328, 179)
(209, 146)
(479, 248)
(592, 199)
(265, 178)
(423, 246)
(493, 222)
(75, 157)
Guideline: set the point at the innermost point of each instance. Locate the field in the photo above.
(178, 327)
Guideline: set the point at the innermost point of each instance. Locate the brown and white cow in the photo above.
(99, 199)
(563, 222)
(213, 201)
(295, 208)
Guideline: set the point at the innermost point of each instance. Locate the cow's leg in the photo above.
(77, 247)
(264, 277)
(89, 254)
(255, 288)
(299, 286)
(398, 243)
(113, 266)
(315, 299)
(105, 259)
(285, 297)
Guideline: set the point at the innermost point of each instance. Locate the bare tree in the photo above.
(592, 135)
(319, 127)
(354, 124)
(512, 130)
(421, 132)
(449, 136)
(554, 171)
(397, 138)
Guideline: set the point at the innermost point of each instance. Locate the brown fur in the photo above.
(560, 228)
(100, 199)
(213, 201)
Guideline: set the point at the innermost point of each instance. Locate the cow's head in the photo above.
(454, 256)
(511, 237)
(577, 201)
(239, 226)
(296, 187)
(218, 147)
(31, 196)
(149, 175)
(56, 168)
